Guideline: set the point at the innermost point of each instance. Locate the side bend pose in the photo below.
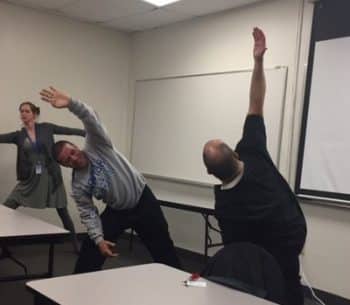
(254, 203)
(101, 172)
(40, 184)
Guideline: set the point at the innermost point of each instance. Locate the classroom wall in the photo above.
(223, 42)
(87, 61)
(96, 64)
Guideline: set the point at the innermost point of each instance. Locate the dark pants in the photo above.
(146, 219)
(288, 259)
(286, 251)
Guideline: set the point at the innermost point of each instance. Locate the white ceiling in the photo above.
(131, 15)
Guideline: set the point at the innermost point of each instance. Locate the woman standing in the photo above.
(40, 184)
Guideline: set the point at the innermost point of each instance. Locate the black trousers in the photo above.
(146, 219)
(286, 251)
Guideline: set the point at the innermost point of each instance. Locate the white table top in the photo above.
(16, 224)
(151, 284)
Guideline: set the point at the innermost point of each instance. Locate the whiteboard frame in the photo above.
(199, 183)
(318, 33)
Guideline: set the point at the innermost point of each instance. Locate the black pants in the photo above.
(288, 259)
(286, 251)
(146, 219)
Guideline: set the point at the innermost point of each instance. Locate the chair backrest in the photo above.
(249, 268)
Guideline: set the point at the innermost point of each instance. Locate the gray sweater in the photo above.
(109, 177)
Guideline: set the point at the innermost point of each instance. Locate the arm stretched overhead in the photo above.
(258, 83)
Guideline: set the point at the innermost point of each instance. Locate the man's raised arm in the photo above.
(95, 129)
(258, 83)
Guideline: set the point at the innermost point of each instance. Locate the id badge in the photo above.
(38, 168)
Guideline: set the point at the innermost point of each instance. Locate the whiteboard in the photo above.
(174, 117)
(326, 166)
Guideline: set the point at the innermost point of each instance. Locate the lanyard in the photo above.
(36, 144)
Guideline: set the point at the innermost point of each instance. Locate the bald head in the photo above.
(220, 160)
(213, 148)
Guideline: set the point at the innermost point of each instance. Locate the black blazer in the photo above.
(44, 136)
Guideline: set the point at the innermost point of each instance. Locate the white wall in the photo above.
(89, 62)
(223, 42)
(92, 63)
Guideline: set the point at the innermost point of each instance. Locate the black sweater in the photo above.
(262, 200)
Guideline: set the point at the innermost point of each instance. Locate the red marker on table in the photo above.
(194, 281)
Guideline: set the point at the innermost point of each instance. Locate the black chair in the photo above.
(248, 268)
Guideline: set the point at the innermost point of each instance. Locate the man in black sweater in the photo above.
(254, 203)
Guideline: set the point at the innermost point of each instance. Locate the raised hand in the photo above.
(259, 43)
(56, 98)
